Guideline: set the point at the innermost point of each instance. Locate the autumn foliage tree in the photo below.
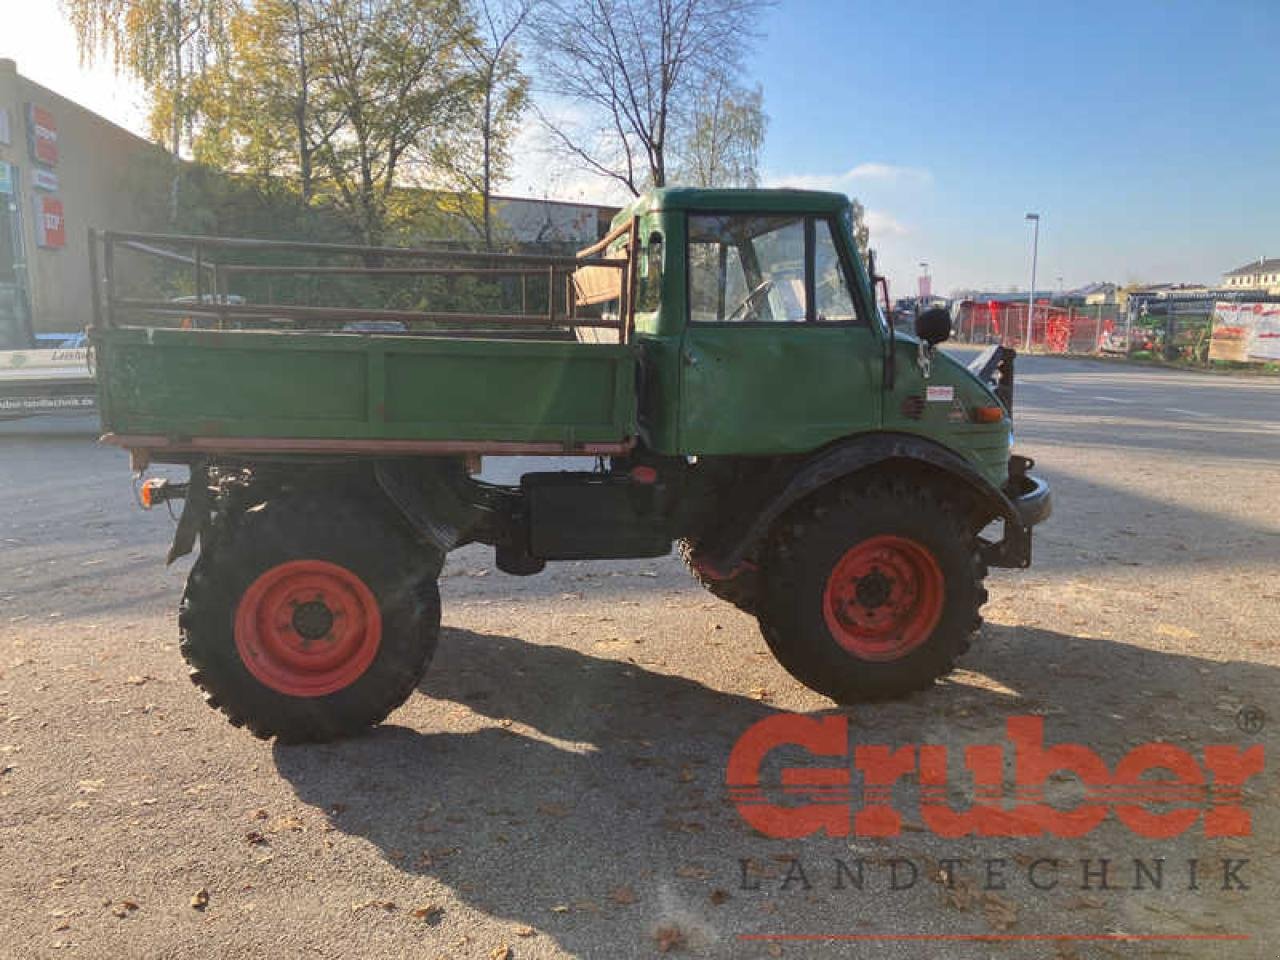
(349, 104)
(349, 99)
(167, 44)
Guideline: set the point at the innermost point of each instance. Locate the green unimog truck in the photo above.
(721, 354)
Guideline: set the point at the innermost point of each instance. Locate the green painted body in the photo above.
(705, 388)
(186, 383)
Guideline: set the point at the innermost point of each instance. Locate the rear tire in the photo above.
(310, 617)
(871, 590)
(740, 589)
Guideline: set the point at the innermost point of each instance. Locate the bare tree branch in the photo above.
(639, 66)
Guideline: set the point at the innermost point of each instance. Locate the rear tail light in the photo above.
(158, 490)
(148, 493)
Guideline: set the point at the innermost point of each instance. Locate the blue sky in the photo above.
(1147, 134)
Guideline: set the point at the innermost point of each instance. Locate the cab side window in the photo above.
(754, 268)
(747, 269)
(831, 286)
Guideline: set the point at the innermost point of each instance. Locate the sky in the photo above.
(1146, 134)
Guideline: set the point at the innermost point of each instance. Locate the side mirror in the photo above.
(934, 325)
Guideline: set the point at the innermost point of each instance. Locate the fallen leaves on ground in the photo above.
(430, 858)
(693, 872)
(718, 896)
(502, 952)
(961, 894)
(623, 895)
(431, 913)
(682, 826)
(1001, 912)
(670, 938)
(124, 908)
(553, 809)
(1086, 903)
(387, 905)
(200, 899)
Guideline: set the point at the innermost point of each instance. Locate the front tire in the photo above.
(871, 590)
(310, 617)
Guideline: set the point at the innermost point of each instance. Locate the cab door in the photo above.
(778, 354)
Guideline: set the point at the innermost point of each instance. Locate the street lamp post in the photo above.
(1031, 297)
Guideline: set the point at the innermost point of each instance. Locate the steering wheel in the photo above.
(751, 302)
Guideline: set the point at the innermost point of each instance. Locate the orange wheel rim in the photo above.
(307, 628)
(883, 598)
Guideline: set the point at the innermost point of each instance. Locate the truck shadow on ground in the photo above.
(585, 796)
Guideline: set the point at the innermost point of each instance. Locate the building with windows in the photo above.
(1262, 275)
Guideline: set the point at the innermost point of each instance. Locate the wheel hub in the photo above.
(873, 590)
(884, 597)
(308, 628)
(312, 620)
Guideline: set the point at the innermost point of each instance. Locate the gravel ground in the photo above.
(556, 788)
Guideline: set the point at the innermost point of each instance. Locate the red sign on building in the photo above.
(51, 225)
(43, 132)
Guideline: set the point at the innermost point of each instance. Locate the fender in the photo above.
(725, 550)
(430, 493)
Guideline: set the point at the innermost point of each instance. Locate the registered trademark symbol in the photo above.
(1251, 719)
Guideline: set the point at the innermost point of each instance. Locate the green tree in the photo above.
(504, 95)
(351, 101)
(391, 87)
(259, 113)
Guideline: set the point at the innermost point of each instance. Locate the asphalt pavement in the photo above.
(557, 786)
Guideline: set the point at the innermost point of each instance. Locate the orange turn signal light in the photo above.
(148, 493)
(988, 414)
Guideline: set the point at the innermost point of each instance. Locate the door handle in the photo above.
(690, 358)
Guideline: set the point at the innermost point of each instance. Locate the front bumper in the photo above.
(1032, 504)
(1032, 499)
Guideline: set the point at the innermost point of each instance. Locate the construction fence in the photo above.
(1197, 330)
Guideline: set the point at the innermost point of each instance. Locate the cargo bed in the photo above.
(219, 371)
